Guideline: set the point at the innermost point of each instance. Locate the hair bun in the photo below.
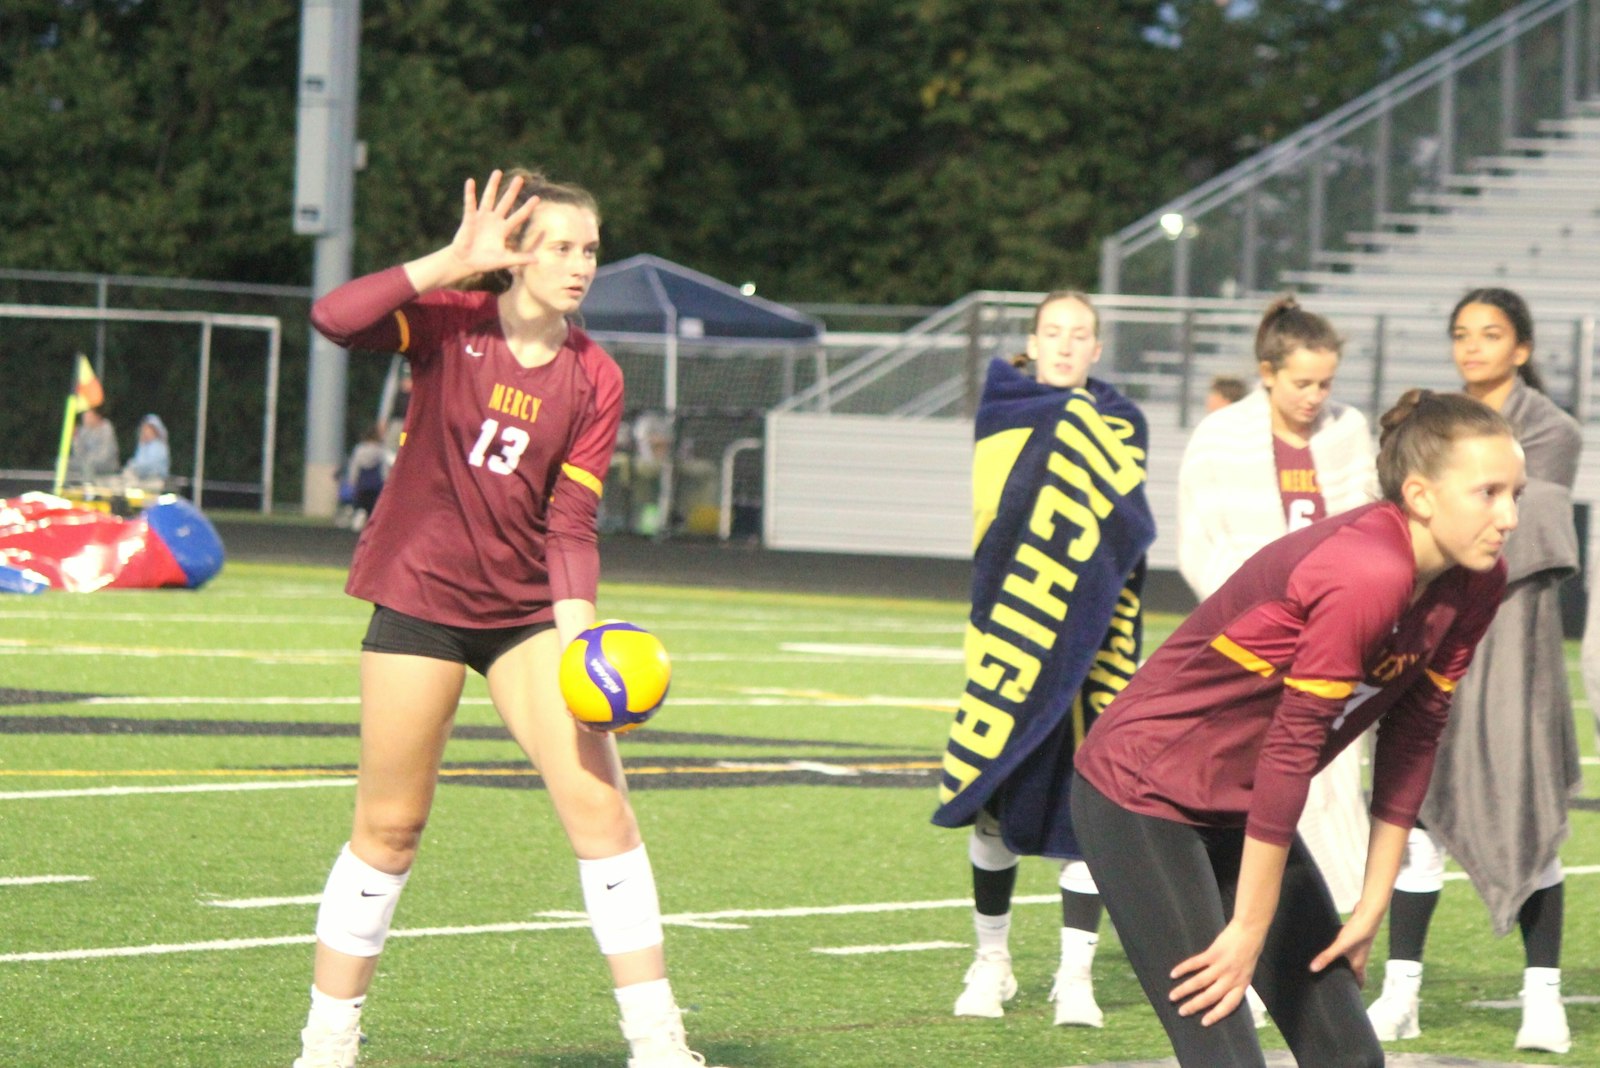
(1403, 409)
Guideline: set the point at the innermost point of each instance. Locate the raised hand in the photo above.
(481, 243)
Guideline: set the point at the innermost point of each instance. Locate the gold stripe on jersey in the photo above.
(583, 478)
(1333, 691)
(1242, 656)
(1444, 684)
(405, 329)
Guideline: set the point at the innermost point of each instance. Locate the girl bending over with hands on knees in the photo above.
(485, 555)
(1189, 787)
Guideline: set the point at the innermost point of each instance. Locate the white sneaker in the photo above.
(1258, 1008)
(321, 1047)
(1073, 994)
(664, 1045)
(1395, 1015)
(1544, 1017)
(990, 985)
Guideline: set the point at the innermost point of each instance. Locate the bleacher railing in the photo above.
(1236, 233)
(1164, 351)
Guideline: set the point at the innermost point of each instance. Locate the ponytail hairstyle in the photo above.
(534, 184)
(1521, 319)
(1286, 327)
(1417, 434)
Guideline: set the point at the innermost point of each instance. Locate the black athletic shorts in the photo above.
(395, 632)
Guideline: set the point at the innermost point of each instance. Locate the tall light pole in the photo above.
(326, 158)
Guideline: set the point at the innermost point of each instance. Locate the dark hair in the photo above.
(1516, 311)
(1417, 434)
(534, 184)
(1065, 294)
(1229, 388)
(1286, 327)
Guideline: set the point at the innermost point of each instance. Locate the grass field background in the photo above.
(183, 773)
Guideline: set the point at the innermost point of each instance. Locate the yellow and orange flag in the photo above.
(86, 390)
(86, 393)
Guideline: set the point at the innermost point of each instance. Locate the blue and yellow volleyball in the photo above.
(615, 675)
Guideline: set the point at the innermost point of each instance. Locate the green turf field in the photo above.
(178, 779)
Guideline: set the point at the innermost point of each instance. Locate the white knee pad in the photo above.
(1551, 875)
(986, 849)
(357, 904)
(620, 894)
(1423, 869)
(1075, 878)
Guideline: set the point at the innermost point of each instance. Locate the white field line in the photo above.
(41, 880)
(706, 919)
(758, 697)
(196, 788)
(942, 653)
(189, 617)
(18, 647)
(712, 920)
(1516, 1003)
(321, 657)
(901, 947)
(700, 624)
(263, 902)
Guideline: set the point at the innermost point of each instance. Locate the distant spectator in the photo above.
(365, 474)
(94, 448)
(395, 430)
(1225, 390)
(151, 463)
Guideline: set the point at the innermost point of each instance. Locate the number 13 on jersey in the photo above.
(513, 440)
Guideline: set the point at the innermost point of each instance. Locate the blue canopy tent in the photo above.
(645, 299)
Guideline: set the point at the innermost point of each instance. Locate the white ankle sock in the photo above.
(994, 932)
(643, 1004)
(334, 1014)
(1540, 979)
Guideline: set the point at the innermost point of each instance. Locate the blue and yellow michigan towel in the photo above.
(1062, 526)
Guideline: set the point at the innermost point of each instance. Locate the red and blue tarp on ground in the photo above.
(51, 543)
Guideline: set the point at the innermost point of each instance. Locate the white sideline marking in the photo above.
(681, 919)
(666, 921)
(198, 788)
(1516, 1003)
(755, 698)
(903, 947)
(188, 617)
(17, 647)
(943, 653)
(37, 880)
(263, 902)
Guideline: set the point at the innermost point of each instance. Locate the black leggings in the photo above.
(1169, 889)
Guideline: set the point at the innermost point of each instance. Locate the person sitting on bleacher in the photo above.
(94, 453)
(151, 463)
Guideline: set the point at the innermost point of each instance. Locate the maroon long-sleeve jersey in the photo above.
(488, 516)
(1313, 640)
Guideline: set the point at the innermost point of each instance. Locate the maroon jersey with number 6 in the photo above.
(488, 516)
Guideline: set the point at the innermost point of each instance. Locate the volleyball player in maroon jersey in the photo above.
(1190, 785)
(482, 553)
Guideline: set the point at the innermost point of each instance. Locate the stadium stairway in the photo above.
(1528, 220)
